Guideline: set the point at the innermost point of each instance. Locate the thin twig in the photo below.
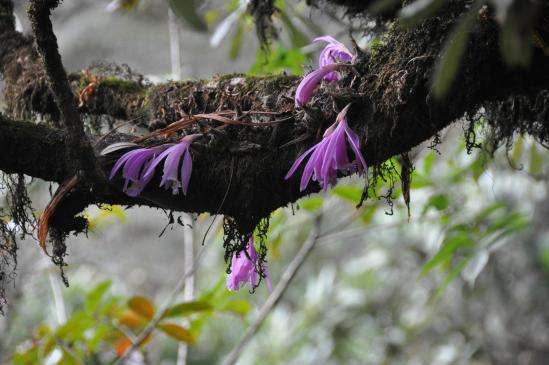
(189, 120)
(277, 293)
(188, 292)
(59, 303)
(79, 149)
(175, 45)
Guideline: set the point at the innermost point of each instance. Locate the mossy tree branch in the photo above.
(240, 171)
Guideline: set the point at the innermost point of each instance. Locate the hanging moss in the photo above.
(235, 242)
(59, 251)
(16, 222)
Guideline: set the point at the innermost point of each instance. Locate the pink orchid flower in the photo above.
(329, 156)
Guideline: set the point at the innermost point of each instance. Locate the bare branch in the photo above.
(78, 148)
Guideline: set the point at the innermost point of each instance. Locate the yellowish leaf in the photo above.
(177, 332)
(142, 306)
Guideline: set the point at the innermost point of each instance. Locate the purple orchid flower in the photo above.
(174, 177)
(334, 52)
(244, 269)
(135, 164)
(329, 156)
(309, 83)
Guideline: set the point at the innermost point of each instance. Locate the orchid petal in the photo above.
(171, 165)
(186, 170)
(298, 162)
(310, 82)
(312, 168)
(326, 38)
(119, 164)
(151, 168)
(334, 52)
(244, 268)
(355, 145)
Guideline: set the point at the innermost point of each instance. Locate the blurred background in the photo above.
(462, 280)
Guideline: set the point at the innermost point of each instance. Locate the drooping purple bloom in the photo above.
(329, 156)
(334, 52)
(174, 177)
(135, 164)
(309, 83)
(244, 269)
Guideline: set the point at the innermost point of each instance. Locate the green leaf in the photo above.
(100, 335)
(186, 9)
(217, 293)
(515, 219)
(47, 345)
(382, 6)
(177, 332)
(369, 212)
(142, 306)
(297, 38)
(348, 192)
(450, 60)
(452, 275)
(536, 161)
(478, 167)
(278, 60)
(211, 16)
(438, 201)
(474, 267)
(428, 163)
(545, 258)
(184, 309)
(418, 10)
(515, 41)
(517, 152)
(420, 181)
(486, 212)
(506, 226)
(312, 204)
(75, 327)
(457, 238)
(237, 306)
(95, 296)
(236, 43)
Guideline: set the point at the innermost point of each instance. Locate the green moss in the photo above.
(375, 45)
(123, 85)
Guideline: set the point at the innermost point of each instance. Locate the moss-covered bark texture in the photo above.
(239, 170)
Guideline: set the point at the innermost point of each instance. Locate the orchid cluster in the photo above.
(139, 165)
(326, 159)
(332, 57)
(138, 168)
(245, 269)
(329, 156)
